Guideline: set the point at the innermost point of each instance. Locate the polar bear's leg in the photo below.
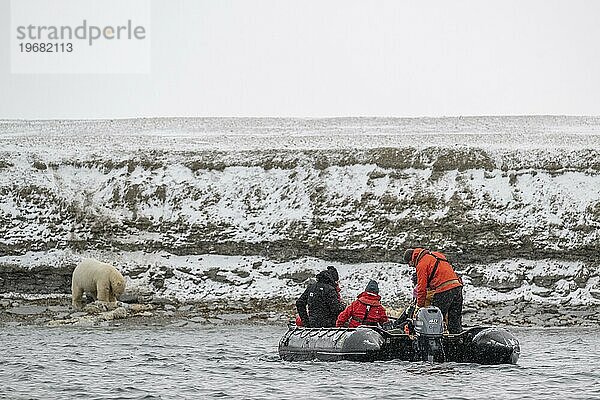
(76, 294)
(103, 290)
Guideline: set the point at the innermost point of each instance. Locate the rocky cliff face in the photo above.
(351, 191)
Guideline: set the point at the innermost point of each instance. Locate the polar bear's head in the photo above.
(117, 283)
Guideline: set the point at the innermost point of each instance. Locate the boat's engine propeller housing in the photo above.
(429, 328)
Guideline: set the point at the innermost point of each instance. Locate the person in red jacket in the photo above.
(434, 272)
(365, 310)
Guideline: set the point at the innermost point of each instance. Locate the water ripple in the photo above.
(242, 362)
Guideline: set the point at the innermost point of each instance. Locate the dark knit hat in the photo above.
(408, 255)
(333, 272)
(372, 287)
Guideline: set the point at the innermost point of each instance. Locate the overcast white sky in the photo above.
(337, 58)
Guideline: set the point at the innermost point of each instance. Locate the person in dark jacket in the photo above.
(319, 305)
(365, 310)
(336, 277)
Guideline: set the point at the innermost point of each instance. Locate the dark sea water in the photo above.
(241, 362)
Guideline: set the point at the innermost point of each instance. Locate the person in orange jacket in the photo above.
(434, 272)
(365, 310)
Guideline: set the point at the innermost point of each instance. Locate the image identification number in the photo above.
(46, 47)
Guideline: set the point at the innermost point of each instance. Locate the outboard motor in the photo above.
(429, 327)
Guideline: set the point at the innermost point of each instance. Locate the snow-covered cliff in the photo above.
(509, 198)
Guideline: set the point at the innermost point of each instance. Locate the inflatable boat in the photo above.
(427, 342)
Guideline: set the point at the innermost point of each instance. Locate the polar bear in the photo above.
(100, 280)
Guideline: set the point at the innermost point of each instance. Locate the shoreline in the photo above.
(57, 311)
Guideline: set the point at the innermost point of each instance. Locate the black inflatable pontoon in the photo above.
(482, 345)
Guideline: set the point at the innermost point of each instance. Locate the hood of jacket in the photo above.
(369, 298)
(325, 277)
(416, 253)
